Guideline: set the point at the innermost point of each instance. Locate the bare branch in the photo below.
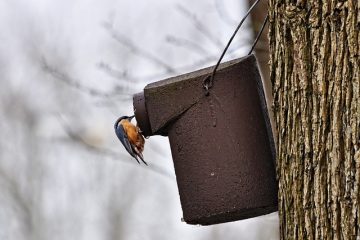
(9, 185)
(109, 152)
(118, 89)
(207, 59)
(135, 49)
(117, 74)
(224, 15)
(199, 25)
(185, 43)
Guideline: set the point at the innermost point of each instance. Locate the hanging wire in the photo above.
(259, 34)
(208, 81)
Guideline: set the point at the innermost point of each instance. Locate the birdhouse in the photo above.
(221, 143)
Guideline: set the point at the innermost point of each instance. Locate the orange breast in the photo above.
(134, 135)
(130, 130)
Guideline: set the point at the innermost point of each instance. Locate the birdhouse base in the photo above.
(231, 216)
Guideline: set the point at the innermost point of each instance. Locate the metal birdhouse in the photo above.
(221, 142)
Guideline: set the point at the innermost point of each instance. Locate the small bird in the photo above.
(130, 136)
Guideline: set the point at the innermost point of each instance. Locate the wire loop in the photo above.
(207, 84)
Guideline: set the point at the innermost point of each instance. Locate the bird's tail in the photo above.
(139, 154)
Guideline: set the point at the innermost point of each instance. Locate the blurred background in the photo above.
(68, 70)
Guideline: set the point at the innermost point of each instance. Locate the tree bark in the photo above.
(314, 69)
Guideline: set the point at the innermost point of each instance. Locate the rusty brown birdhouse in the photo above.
(221, 143)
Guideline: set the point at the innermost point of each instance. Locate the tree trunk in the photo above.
(314, 69)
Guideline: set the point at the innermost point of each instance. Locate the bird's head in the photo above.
(122, 118)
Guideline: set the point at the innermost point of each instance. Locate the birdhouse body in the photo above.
(221, 144)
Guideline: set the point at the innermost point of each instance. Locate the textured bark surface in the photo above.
(314, 60)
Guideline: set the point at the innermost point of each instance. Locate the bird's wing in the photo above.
(121, 134)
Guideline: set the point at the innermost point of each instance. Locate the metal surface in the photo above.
(221, 144)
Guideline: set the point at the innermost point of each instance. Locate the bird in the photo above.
(130, 136)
